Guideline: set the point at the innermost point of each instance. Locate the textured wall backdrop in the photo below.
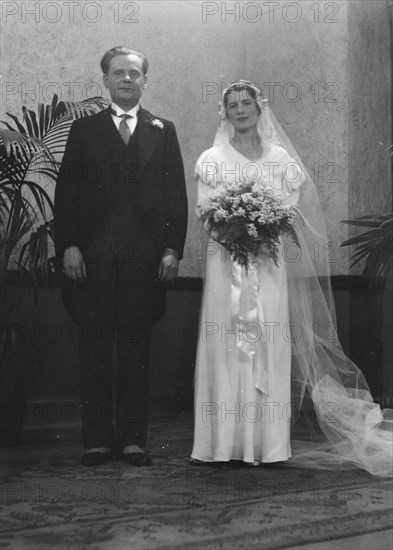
(325, 66)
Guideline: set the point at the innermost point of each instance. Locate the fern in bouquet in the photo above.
(248, 218)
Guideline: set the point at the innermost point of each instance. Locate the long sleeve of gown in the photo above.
(205, 175)
(292, 176)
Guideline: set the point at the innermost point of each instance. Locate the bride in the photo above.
(268, 340)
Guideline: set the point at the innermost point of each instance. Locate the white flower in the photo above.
(252, 230)
(220, 215)
(157, 123)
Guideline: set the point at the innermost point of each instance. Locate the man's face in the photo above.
(125, 80)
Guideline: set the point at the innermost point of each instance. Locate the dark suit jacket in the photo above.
(92, 166)
(94, 163)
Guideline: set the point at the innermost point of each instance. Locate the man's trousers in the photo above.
(114, 306)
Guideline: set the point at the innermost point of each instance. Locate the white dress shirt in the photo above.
(131, 122)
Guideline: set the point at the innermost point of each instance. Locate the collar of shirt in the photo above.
(131, 122)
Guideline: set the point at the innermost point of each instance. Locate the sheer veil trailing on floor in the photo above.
(345, 427)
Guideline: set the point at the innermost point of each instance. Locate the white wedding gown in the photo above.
(243, 367)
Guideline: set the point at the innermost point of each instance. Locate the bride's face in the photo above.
(242, 111)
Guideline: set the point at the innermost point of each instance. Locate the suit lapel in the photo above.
(110, 132)
(147, 137)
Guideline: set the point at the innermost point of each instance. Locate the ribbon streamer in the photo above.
(247, 312)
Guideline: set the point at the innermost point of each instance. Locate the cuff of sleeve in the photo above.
(171, 251)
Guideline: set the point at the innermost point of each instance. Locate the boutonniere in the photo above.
(156, 123)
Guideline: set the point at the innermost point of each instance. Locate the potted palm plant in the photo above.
(30, 151)
(371, 329)
(374, 247)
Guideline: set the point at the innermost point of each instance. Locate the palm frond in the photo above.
(380, 258)
(56, 136)
(63, 113)
(370, 221)
(374, 247)
(19, 146)
(41, 197)
(33, 257)
(28, 151)
(373, 236)
(30, 118)
(88, 106)
(9, 127)
(19, 127)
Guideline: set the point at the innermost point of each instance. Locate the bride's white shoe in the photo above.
(197, 461)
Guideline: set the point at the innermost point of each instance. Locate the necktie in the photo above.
(124, 130)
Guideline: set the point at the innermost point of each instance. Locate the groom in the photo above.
(120, 225)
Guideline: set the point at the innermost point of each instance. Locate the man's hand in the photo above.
(169, 265)
(74, 264)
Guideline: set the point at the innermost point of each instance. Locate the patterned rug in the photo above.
(49, 501)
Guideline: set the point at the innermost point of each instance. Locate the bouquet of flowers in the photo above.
(248, 218)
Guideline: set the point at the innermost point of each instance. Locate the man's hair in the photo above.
(121, 50)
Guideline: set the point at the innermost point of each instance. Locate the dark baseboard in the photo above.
(339, 282)
(35, 415)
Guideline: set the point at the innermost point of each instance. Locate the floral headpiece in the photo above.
(261, 101)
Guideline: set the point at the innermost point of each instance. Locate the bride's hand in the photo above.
(214, 235)
(211, 232)
(263, 249)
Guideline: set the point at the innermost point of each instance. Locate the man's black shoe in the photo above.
(136, 459)
(95, 459)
